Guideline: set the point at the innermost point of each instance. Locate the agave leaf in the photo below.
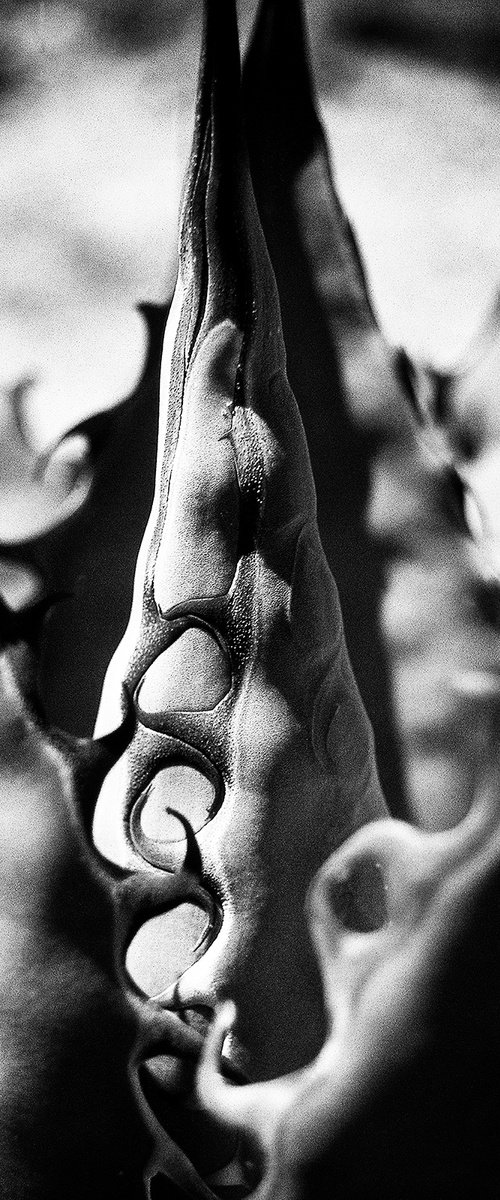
(398, 517)
(397, 1102)
(73, 1031)
(72, 521)
(343, 373)
(248, 716)
(434, 501)
(99, 554)
(68, 1118)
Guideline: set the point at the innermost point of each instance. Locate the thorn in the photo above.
(407, 377)
(114, 744)
(213, 1092)
(155, 316)
(97, 429)
(26, 624)
(192, 864)
(93, 758)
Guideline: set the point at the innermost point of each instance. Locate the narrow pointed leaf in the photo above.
(249, 719)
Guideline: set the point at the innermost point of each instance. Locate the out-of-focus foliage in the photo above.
(460, 29)
(466, 31)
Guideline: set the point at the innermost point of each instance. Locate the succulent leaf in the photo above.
(249, 721)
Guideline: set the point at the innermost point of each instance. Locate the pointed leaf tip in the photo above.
(277, 78)
(213, 245)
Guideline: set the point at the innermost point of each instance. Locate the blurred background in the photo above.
(96, 103)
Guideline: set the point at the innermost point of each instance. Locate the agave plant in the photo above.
(404, 456)
(217, 868)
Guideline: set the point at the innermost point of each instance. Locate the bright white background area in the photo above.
(93, 147)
